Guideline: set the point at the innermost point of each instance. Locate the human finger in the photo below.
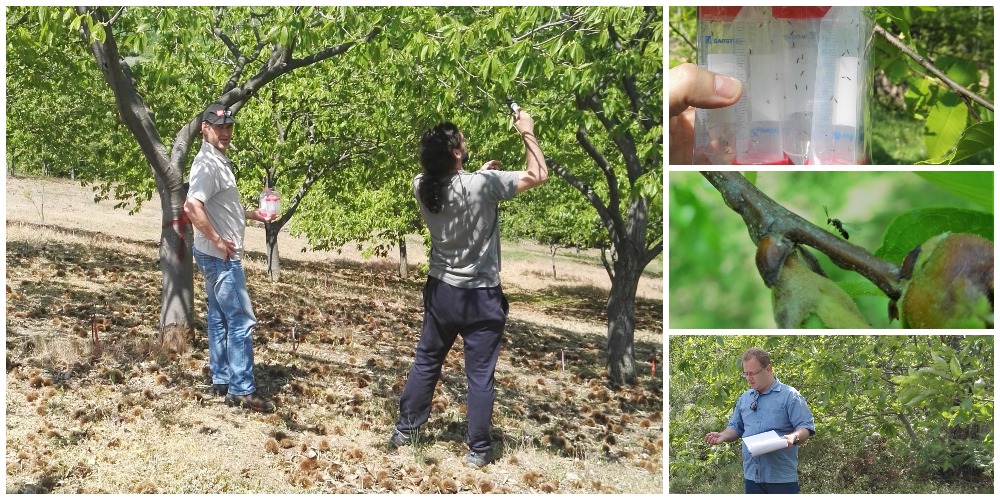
(691, 85)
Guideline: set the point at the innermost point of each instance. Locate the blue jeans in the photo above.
(479, 315)
(230, 323)
(755, 487)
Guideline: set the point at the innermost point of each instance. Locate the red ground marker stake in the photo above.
(96, 340)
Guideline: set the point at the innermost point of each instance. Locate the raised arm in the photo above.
(535, 172)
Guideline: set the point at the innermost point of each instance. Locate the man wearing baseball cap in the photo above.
(214, 208)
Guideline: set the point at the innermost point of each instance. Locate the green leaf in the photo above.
(956, 368)
(965, 73)
(517, 69)
(976, 138)
(917, 226)
(944, 125)
(976, 187)
(897, 70)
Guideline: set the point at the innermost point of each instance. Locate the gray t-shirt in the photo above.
(212, 182)
(465, 234)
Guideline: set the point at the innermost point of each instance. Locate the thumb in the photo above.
(691, 85)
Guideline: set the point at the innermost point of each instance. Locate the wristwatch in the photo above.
(795, 440)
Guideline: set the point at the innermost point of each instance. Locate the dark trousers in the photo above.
(479, 315)
(755, 487)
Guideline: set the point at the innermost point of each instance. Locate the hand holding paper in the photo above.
(765, 442)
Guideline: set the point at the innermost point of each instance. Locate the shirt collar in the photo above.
(776, 386)
(206, 147)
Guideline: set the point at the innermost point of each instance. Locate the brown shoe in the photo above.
(252, 402)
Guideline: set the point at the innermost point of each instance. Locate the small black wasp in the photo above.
(836, 224)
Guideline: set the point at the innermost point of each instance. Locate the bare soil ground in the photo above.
(126, 418)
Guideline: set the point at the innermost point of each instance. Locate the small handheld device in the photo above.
(514, 108)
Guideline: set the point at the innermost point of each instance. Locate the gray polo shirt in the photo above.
(465, 234)
(212, 182)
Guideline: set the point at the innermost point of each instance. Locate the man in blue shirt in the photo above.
(768, 405)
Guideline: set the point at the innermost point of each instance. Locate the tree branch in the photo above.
(614, 196)
(622, 138)
(131, 108)
(908, 426)
(563, 19)
(121, 10)
(332, 51)
(607, 264)
(764, 216)
(22, 20)
(607, 219)
(687, 41)
(962, 91)
(639, 106)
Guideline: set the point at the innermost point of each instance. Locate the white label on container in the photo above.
(846, 93)
(765, 88)
(723, 64)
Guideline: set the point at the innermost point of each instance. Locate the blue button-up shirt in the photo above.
(781, 409)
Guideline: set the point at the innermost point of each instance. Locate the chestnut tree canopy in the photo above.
(330, 104)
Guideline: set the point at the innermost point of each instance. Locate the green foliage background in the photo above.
(893, 413)
(427, 65)
(713, 278)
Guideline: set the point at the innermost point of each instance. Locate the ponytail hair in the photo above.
(436, 146)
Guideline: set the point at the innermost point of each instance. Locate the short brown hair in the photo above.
(762, 356)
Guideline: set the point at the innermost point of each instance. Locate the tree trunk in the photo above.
(621, 321)
(552, 256)
(403, 267)
(177, 269)
(271, 230)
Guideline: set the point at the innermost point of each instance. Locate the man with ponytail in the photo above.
(463, 294)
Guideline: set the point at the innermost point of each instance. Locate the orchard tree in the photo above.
(308, 134)
(592, 78)
(178, 60)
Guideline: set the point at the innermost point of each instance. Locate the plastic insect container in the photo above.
(270, 203)
(798, 28)
(760, 66)
(715, 129)
(806, 85)
(839, 135)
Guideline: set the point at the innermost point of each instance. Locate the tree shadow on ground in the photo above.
(345, 345)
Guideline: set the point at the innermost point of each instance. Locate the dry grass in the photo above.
(125, 419)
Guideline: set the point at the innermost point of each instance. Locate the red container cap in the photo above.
(785, 160)
(798, 12)
(719, 13)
